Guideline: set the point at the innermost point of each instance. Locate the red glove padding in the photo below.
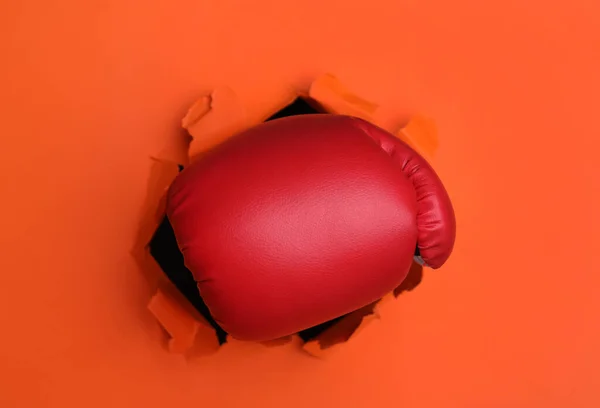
(303, 219)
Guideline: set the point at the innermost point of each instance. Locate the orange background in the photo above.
(91, 89)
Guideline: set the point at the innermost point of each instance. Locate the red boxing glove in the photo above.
(303, 219)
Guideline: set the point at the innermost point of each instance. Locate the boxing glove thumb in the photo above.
(436, 222)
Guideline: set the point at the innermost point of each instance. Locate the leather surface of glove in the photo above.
(302, 219)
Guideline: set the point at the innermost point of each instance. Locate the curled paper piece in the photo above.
(213, 119)
(187, 330)
(334, 97)
(179, 324)
(421, 134)
(348, 327)
(162, 174)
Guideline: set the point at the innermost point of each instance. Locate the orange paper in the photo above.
(91, 90)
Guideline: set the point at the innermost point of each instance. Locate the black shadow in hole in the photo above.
(298, 107)
(164, 249)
